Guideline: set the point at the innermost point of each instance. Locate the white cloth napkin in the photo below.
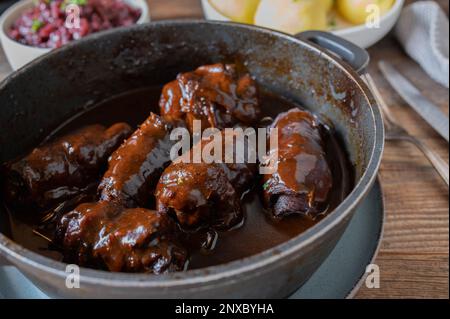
(423, 30)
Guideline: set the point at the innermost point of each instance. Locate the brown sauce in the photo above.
(258, 233)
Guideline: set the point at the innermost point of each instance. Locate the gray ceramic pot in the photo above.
(39, 96)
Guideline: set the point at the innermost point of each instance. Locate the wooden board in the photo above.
(414, 255)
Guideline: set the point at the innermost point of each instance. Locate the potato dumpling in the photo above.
(355, 11)
(292, 16)
(327, 4)
(237, 10)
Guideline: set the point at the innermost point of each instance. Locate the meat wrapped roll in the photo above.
(105, 235)
(135, 167)
(198, 195)
(63, 168)
(202, 195)
(303, 178)
(110, 234)
(217, 95)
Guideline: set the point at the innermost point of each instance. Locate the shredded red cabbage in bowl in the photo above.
(44, 25)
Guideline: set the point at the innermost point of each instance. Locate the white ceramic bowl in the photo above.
(19, 54)
(360, 35)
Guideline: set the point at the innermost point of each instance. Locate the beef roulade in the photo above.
(303, 178)
(135, 167)
(105, 235)
(63, 168)
(202, 195)
(217, 95)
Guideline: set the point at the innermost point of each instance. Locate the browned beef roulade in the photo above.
(107, 236)
(135, 167)
(202, 195)
(303, 179)
(198, 195)
(63, 168)
(217, 95)
(111, 234)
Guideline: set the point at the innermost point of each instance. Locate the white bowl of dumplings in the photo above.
(295, 16)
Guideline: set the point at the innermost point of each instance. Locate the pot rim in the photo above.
(252, 265)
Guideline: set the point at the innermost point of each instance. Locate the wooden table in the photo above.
(414, 255)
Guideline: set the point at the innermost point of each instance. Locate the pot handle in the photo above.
(355, 56)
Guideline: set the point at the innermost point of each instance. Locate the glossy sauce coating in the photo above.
(217, 95)
(63, 168)
(203, 195)
(135, 167)
(199, 195)
(108, 234)
(105, 235)
(303, 179)
(256, 233)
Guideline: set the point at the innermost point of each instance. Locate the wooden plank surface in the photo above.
(414, 255)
